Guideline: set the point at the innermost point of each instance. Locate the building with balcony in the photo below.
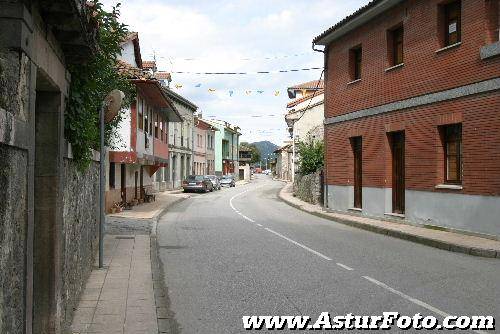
(226, 148)
(412, 113)
(141, 147)
(244, 160)
(203, 150)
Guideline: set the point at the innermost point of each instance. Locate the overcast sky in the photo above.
(235, 35)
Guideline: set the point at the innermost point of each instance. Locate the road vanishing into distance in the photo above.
(242, 251)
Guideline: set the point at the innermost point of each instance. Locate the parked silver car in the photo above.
(215, 181)
(197, 183)
(227, 181)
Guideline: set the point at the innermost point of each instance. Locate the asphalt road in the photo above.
(242, 251)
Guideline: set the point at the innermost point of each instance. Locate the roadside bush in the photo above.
(311, 155)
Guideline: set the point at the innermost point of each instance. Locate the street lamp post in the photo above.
(290, 122)
(109, 109)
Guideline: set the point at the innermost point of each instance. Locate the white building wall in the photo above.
(122, 139)
(128, 54)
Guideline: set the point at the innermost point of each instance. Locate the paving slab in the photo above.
(112, 302)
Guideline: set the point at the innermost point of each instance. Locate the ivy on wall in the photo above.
(91, 82)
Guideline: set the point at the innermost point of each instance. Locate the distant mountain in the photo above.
(265, 148)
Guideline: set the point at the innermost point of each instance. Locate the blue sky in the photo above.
(219, 35)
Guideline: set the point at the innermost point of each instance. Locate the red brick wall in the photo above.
(424, 70)
(424, 155)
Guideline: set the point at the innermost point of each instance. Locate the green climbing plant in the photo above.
(311, 154)
(91, 82)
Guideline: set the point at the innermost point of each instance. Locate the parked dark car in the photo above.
(227, 181)
(215, 181)
(197, 183)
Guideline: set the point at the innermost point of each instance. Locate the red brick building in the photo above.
(412, 112)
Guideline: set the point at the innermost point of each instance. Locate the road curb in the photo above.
(436, 243)
(160, 214)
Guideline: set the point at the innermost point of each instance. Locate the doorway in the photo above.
(398, 172)
(357, 148)
(123, 183)
(136, 184)
(48, 183)
(141, 189)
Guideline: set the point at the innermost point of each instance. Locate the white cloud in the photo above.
(220, 34)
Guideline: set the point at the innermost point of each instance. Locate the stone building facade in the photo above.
(412, 110)
(48, 213)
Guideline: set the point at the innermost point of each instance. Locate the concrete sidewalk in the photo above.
(446, 240)
(120, 297)
(154, 209)
(128, 295)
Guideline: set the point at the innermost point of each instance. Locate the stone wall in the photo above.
(80, 231)
(309, 187)
(13, 224)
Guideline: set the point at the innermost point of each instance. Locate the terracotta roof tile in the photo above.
(309, 85)
(148, 64)
(163, 76)
(133, 72)
(305, 98)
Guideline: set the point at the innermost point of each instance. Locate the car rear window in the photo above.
(195, 178)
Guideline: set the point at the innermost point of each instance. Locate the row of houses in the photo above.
(411, 113)
(162, 137)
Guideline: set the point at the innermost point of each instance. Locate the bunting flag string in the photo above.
(230, 92)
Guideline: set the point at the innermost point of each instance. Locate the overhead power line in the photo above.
(251, 72)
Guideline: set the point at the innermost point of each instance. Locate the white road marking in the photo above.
(344, 266)
(259, 224)
(413, 300)
(299, 244)
(236, 210)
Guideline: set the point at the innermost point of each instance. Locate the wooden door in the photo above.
(136, 181)
(357, 145)
(123, 184)
(141, 188)
(398, 172)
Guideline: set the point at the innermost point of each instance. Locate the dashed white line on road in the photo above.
(260, 225)
(299, 244)
(344, 266)
(236, 210)
(413, 300)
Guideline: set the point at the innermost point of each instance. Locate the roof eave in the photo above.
(357, 21)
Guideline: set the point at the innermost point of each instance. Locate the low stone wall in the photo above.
(309, 188)
(80, 230)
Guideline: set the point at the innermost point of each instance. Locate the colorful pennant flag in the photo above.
(178, 86)
(260, 91)
(211, 90)
(277, 93)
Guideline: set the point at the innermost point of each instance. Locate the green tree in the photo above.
(91, 82)
(311, 154)
(255, 151)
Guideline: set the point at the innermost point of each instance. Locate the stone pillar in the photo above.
(48, 212)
